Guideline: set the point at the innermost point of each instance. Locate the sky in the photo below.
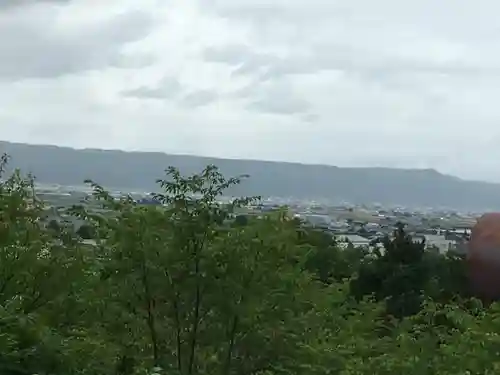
(410, 84)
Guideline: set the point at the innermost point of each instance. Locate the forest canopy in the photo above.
(184, 288)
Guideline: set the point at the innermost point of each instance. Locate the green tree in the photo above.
(36, 273)
(398, 276)
(198, 296)
(86, 232)
(241, 220)
(325, 258)
(54, 225)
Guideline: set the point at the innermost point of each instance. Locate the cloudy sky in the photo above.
(412, 83)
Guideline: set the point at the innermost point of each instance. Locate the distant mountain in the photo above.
(139, 170)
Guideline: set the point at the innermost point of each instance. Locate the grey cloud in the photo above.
(277, 98)
(18, 3)
(31, 49)
(252, 67)
(249, 10)
(365, 39)
(266, 66)
(310, 118)
(238, 55)
(245, 91)
(132, 61)
(170, 88)
(378, 63)
(302, 12)
(280, 105)
(242, 58)
(199, 98)
(125, 27)
(365, 64)
(274, 97)
(167, 88)
(231, 54)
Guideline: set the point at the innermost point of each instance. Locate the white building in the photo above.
(437, 241)
(354, 239)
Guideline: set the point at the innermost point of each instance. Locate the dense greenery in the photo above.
(183, 288)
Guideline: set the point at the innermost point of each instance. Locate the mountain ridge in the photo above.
(138, 169)
(160, 153)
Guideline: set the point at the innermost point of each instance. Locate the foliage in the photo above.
(86, 232)
(193, 286)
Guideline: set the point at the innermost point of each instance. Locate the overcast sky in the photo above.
(412, 83)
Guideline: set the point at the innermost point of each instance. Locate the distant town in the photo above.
(355, 225)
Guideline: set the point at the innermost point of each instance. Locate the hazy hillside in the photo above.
(139, 170)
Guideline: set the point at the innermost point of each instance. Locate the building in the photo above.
(436, 241)
(353, 239)
(317, 220)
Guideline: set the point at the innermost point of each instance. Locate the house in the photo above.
(436, 241)
(317, 220)
(353, 239)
